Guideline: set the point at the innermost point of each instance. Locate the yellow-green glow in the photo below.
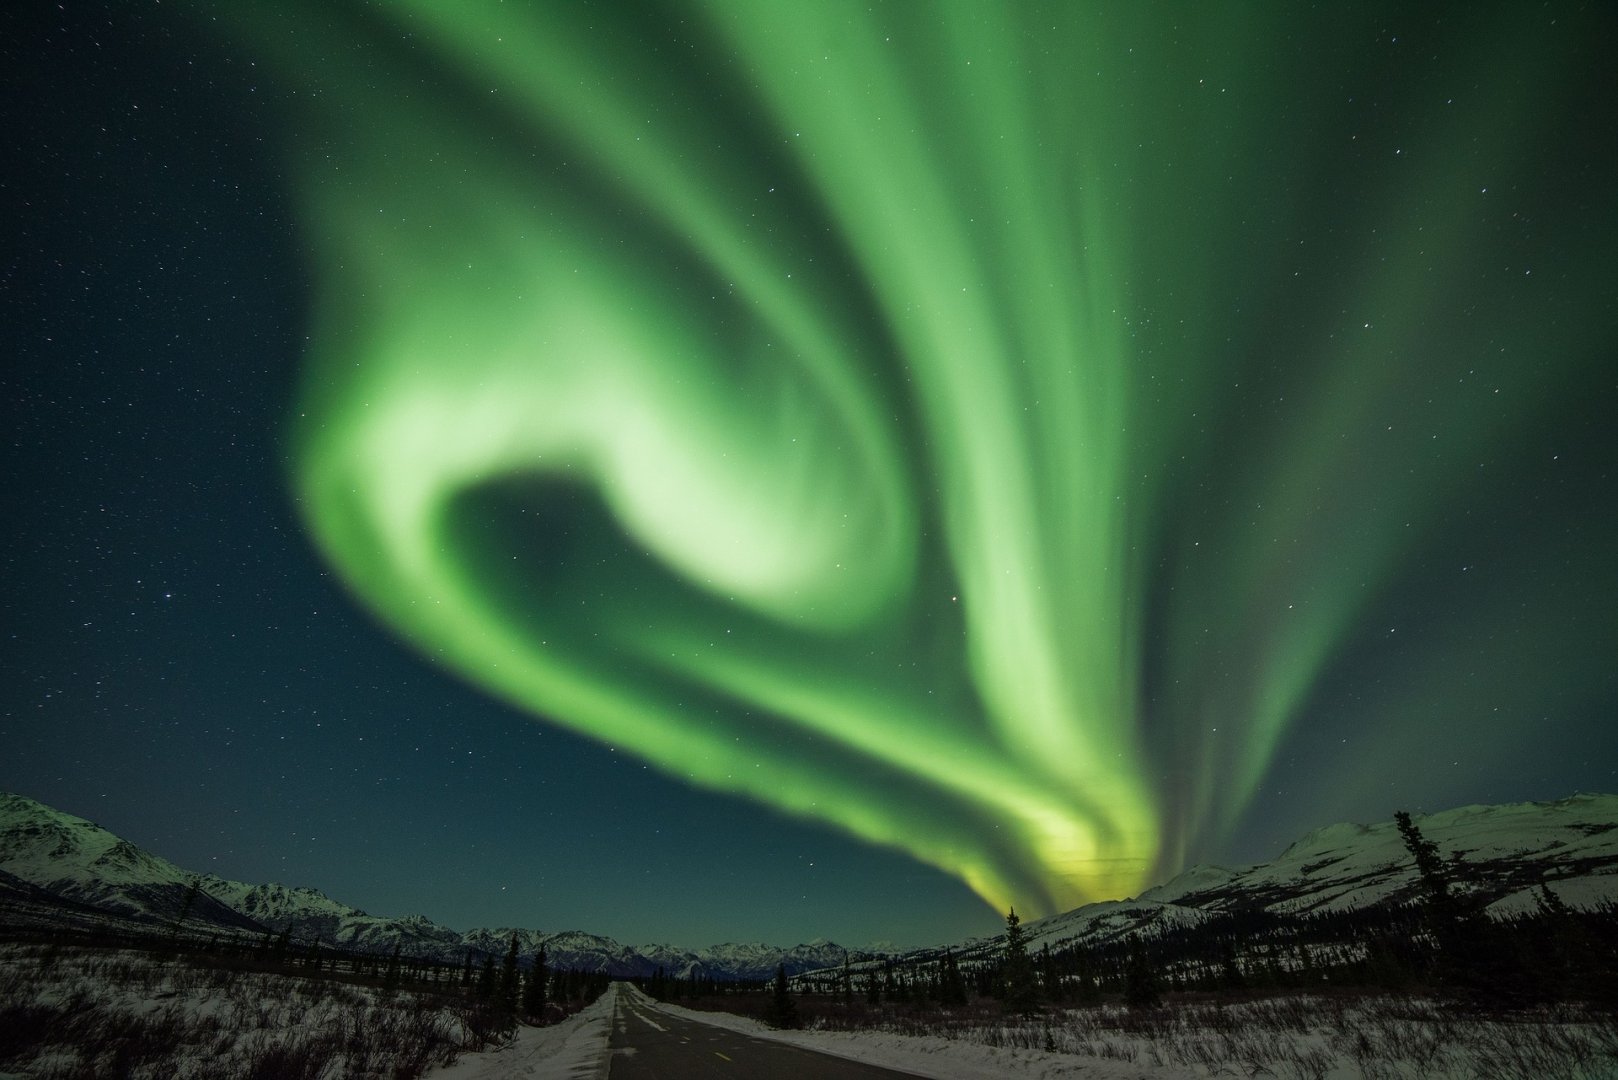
(794, 395)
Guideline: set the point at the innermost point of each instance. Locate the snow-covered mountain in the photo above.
(569, 948)
(68, 858)
(755, 961)
(1505, 853)
(55, 868)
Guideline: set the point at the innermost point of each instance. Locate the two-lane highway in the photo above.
(650, 1044)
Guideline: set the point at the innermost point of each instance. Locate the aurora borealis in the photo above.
(1012, 435)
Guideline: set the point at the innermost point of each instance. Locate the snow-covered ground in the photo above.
(575, 1049)
(1300, 1038)
(70, 1012)
(67, 1012)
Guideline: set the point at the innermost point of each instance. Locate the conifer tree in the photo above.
(1022, 993)
(782, 1011)
(533, 1002)
(486, 980)
(506, 1002)
(1230, 975)
(1088, 991)
(1140, 981)
(186, 905)
(1429, 864)
(1455, 925)
(1551, 906)
(951, 987)
(390, 977)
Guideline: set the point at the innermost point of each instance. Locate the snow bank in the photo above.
(575, 1049)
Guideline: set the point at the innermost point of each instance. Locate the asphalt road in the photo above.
(648, 1044)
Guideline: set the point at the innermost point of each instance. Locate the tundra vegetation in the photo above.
(77, 1007)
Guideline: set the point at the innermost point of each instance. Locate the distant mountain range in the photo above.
(57, 869)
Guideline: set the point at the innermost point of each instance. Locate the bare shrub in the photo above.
(79, 1013)
(1311, 1063)
(24, 1028)
(290, 1058)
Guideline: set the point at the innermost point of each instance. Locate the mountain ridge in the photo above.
(1506, 852)
(1570, 845)
(56, 856)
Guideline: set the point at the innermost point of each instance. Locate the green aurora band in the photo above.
(951, 422)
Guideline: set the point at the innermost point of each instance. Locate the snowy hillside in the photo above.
(69, 858)
(1505, 853)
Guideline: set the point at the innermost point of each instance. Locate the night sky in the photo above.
(702, 472)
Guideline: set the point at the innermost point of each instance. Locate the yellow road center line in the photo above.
(718, 1054)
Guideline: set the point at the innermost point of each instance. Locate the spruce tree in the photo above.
(1140, 981)
(390, 977)
(1230, 973)
(1455, 925)
(486, 980)
(951, 987)
(782, 1011)
(506, 1001)
(1429, 864)
(1087, 990)
(1551, 906)
(1017, 970)
(533, 1001)
(186, 905)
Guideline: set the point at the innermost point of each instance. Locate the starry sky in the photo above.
(701, 472)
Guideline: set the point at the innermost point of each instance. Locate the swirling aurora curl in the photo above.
(814, 399)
